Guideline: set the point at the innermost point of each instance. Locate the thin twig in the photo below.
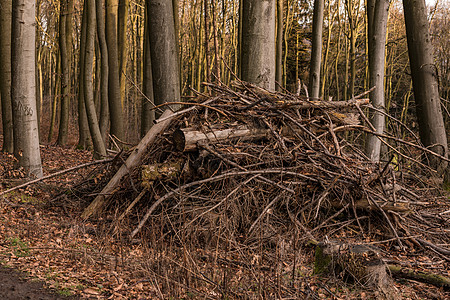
(92, 163)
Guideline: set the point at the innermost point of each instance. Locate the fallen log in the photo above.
(425, 277)
(186, 139)
(364, 204)
(322, 104)
(133, 160)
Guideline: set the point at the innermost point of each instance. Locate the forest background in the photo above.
(344, 65)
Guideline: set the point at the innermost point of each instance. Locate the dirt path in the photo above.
(14, 286)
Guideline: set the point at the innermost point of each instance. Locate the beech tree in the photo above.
(5, 75)
(104, 114)
(65, 51)
(163, 52)
(115, 103)
(147, 113)
(279, 45)
(316, 51)
(83, 127)
(99, 145)
(377, 15)
(425, 80)
(258, 42)
(122, 43)
(23, 87)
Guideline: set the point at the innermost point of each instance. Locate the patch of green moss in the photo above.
(64, 292)
(20, 248)
(321, 261)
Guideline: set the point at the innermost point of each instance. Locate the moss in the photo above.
(19, 247)
(322, 261)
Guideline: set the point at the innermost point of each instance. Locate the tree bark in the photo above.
(316, 52)
(279, 45)
(99, 146)
(65, 53)
(83, 127)
(425, 81)
(187, 139)
(122, 44)
(377, 15)
(23, 87)
(147, 113)
(115, 104)
(165, 71)
(206, 41)
(104, 114)
(258, 42)
(5, 75)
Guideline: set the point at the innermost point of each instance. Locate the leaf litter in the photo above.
(239, 217)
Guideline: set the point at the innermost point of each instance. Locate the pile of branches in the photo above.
(246, 166)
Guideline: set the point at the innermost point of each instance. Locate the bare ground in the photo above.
(15, 286)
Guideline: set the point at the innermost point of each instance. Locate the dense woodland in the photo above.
(101, 53)
(235, 145)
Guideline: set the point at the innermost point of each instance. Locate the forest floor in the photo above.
(48, 252)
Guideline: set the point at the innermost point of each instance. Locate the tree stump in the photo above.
(359, 263)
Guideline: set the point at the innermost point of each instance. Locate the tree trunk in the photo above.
(205, 11)
(23, 87)
(57, 87)
(161, 31)
(104, 114)
(99, 146)
(377, 15)
(216, 44)
(176, 22)
(122, 44)
(147, 114)
(425, 80)
(115, 104)
(83, 127)
(258, 42)
(316, 52)
(5, 75)
(65, 52)
(279, 51)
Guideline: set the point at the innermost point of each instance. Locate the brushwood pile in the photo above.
(246, 168)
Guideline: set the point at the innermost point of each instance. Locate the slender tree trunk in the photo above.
(176, 22)
(240, 30)
(122, 44)
(99, 146)
(147, 114)
(205, 11)
(166, 83)
(425, 80)
(39, 85)
(65, 52)
(23, 87)
(56, 95)
(316, 52)
(83, 127)
(279, 45)
(258, 42)
(287, 32)
(377, 15)
(216, 43)
(104, 113)
(5, 75)
(115, 104)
